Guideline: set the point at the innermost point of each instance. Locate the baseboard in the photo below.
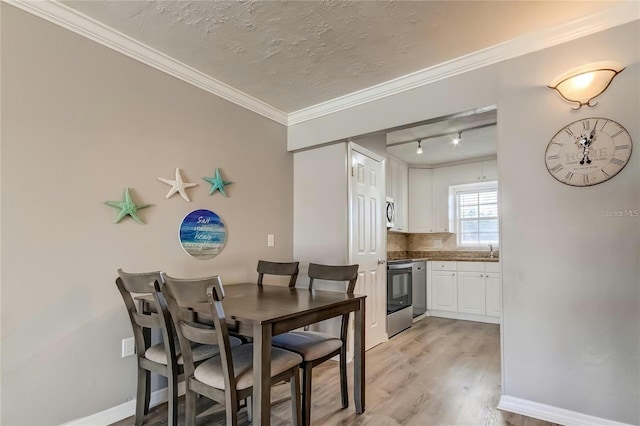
(552, 414)
(463, 316)
(122, 411)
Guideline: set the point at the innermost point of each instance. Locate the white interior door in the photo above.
(368, 245)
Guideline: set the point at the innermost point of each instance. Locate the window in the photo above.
(476, 215)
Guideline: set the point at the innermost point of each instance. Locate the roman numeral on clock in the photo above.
(568, 176)
(556, 168)
(617, 162)
(585, 124)
(617, 133)
(585, 179)
(553, 157)
(568, 131)
(606, 175)
(620, 147)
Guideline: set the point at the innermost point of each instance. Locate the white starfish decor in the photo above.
(178, 186)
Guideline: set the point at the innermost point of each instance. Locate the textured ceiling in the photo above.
(292, 55)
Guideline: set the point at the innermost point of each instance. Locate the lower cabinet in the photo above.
(465, 291)
(471, 293)
(444, 291)
(493, 294)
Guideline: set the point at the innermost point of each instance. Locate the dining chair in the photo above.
(228, 377)
(150, 358)
(316, 347)
(278, 268)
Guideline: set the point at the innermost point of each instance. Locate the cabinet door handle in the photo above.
(453, 275)
(481, 275)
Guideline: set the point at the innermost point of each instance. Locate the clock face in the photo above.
(588, 151)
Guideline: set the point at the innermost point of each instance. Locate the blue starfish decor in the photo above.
(127, 207)
(217, 183)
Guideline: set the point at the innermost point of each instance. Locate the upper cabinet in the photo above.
(429, 204)
(473, 172)
(421, 212)
(398, 189)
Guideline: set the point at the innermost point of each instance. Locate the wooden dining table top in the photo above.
(271, 303)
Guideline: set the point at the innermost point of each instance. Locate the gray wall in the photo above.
(571, 277)
(81, 122)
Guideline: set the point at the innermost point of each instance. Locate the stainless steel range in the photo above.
(399, 296)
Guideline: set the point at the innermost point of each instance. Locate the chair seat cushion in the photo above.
(310, 345)
(210, 372)
(157, 353)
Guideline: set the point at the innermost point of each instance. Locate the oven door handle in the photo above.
(407, 266)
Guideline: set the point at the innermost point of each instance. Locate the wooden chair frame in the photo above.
(278, 268)
(181, 294)
(142, 323)
(348, 274)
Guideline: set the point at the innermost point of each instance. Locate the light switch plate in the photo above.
(271, 240)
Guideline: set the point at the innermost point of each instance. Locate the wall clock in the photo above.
(588, 151)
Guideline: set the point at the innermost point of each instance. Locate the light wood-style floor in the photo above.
(439, 372)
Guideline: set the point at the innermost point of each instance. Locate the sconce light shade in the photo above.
(581, 85)
(419, 149)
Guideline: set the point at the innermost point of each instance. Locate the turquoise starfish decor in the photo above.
(217, 183)
(127, 207)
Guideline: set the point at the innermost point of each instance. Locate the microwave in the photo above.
(390, 213)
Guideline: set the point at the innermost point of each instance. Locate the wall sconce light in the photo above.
(419, 150)
(457, 140)
(581, 85)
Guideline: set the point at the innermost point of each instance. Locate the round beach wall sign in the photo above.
(202, 234)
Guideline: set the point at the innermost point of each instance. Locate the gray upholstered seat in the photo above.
(211, 373)
(309, 344)
(157, 353)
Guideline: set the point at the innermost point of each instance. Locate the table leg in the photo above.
(261, 374)
(358, 367)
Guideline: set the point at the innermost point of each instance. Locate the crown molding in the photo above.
(497, 53)
(70, 19)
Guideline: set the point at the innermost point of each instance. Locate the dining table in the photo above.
(263, 311)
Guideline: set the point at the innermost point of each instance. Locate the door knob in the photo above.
(381, 261)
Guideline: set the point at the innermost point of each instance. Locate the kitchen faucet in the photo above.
(491, 250)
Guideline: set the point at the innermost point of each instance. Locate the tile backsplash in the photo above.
(444, 241)
(420, 242)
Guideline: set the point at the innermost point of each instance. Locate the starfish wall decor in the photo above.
(178, 186)
(127, 207)
(217, 183)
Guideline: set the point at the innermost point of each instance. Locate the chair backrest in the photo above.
(278, 268)
(143, 283)
(184, 294)
(347, 273)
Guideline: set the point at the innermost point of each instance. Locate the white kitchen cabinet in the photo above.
(444, 291)
(473, 172)
(420, 200)
(398, 189)
(471, 292)
(464, 290)
(490, 170)
(440, 181)
(493, 294)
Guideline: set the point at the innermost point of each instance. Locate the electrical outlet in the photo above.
(128, 347)
(437, 243)
(270, 240)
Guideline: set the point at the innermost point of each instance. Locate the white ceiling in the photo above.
(478, 139)
(475, 144)
(293, 55)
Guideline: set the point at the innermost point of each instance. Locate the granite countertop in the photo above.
(449, 256)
